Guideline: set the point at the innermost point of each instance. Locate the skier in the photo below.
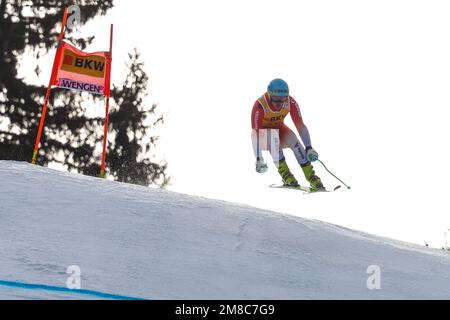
(269, 112)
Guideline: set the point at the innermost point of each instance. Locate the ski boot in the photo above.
(310, 175)
(286, 175)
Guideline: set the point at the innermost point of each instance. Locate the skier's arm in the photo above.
(299, 124)
(257, 120)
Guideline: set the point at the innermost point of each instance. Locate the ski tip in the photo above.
(337, 187)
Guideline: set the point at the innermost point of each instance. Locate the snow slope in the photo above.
(137, 242)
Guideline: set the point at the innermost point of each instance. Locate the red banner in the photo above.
(81, 71)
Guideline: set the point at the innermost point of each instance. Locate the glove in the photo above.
(311, 154)
(261, 166)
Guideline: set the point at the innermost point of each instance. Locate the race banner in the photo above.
(81, 71)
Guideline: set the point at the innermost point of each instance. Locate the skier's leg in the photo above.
(279, 159)
(290, 140)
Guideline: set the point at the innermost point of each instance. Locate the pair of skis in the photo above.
(308, 189)
(302, 188)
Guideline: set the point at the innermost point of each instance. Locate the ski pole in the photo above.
(348, 187)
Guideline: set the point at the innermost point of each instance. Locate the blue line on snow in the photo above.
(62, 289)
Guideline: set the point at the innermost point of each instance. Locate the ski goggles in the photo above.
(278, 99)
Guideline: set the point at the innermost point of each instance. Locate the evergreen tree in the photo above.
(131, 121)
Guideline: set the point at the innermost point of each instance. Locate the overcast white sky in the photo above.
(371, 78)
